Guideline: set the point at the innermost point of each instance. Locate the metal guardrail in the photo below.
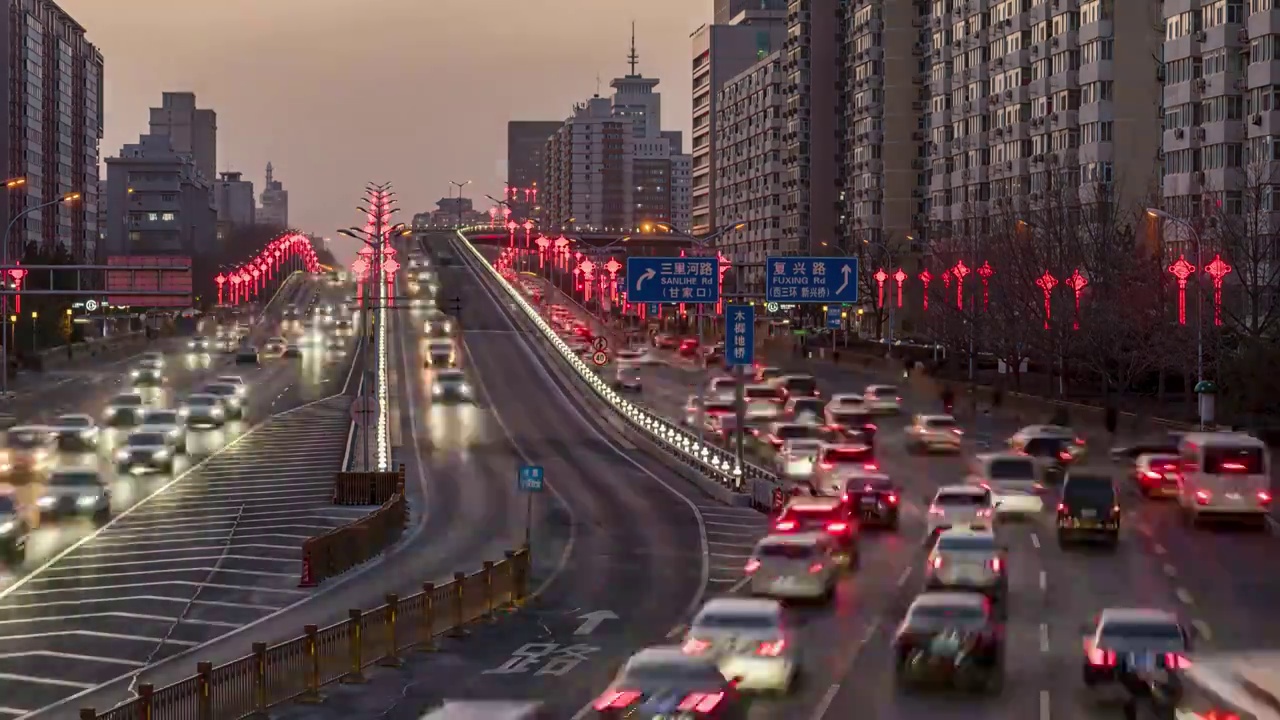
(296, 670)
(711, 460)
(361, 540)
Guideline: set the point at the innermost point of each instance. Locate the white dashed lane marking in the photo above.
(218, 550)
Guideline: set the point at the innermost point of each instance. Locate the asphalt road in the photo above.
(1216, 579)
(190, 556)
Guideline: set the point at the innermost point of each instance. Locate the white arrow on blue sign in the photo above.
(833, 317)
(530, 478)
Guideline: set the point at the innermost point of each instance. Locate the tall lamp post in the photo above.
(458, 185)
(1159, 214)
(4, 262)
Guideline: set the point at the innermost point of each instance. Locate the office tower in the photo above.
(194, 131)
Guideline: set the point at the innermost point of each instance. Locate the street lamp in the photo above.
(1158, 214)
(458, 185)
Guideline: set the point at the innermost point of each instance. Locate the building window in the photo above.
(167, 217)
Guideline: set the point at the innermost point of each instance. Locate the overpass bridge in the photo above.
(589, 243)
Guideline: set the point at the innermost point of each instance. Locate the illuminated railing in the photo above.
(714, 461)
(383, 433)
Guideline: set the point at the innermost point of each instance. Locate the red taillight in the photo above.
(1064, 456)
(869, 426)
(870, 466)
(1174, 661)
(1264, 497)
(997, 565)
(827, 465)
(983, 513)
(1080, 442)
(936, 562)
(892, 499)
(775, 440)
(1102, 658)
(616, 700)
(785, 525)
(1152, 475)
(1234, 466)
(751, 566)
(1203, 497)
(1062, 507)
(700, 702)
(935, 510)
(694, 646)
(815, 568)
(836, 528)
(772, 649)
(844, 498)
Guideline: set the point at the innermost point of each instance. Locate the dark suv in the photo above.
(1089, 509)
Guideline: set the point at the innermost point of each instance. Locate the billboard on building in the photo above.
(172, 276)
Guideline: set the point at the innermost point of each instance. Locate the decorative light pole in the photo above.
(985, 272)
(1077, 283)
(1047, 283)
(926, 278)
(1217, 270)
(1182, 271)
(900, 277)
(881, 277)
(960, 271)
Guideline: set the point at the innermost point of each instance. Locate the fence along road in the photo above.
(218, 550)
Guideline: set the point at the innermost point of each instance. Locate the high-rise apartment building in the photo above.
(588, 170)
(274, 210)
(526, 146)
(720, 52)
(748, 170)
(724, 11)
(52, 87)
(810, 62)
(157, 202)
(193, 130)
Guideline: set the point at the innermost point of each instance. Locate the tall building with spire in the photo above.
(274, 211)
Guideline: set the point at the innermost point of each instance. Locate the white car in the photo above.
(955, 506)
(846, 402)
(638, 357)
(1013, 481)
(627, 378)
(173, 423)
(236, 380)
(884, 399)
(934, 433)
(154, 360)
(748, 639)
(795, 566)
(797, 458)
(722, 388)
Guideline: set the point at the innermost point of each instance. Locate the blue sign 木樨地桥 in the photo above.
(834, 315)
(740, 343)
(811, 279)
(673, 279)
(530, 478)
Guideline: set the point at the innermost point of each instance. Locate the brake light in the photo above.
(1064, 456)
(936, 562)
(1152, 475)
(870, 466)
(869, 426)
(1234, 466)
(1080, 441)
(827, 465)
(751, 566)
(898, 399)
(837, 528)
(772, 649)
(815, 568)
(997, 565)
(1062, 507)
(935, 510)
(785, 525)
(1102, 658)
(616, 700)
(844, 498)
(700, 702)
(1174, 661)
(694, 646)
(774, 440)
(983, 513)
(957, 431)
(1203, 497)
(892, 499)
(984, 486)
(1264, 497)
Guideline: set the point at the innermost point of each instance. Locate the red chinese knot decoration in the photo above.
(1182, 270)
(881, 277)
(900, 277)
(1077, 283)
(960, 271)
(1217, 270)
(925, 278)
(946, 279)
(985, 272)
(612, 267)
(1047, 283)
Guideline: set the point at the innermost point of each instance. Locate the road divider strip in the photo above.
(297, 670)
(359, 541)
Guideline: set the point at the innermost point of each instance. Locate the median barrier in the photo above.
(355, 543)
(367, 488)
(297, 670)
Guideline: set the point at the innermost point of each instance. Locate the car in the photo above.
(795, 385)
(247, 355)
(874, 499)
(627, 378)
(958, 506)
(795, 566)
(882, 399)
(851, 420)
(1224, 476)
(639, 356)
(796, 459)
(666, 342)
(75, 492)
(1054, 448)
(227, 345)
(437, 324)
(274, 345)
(76, 432)
(828, 515)
(804, 409)
(968, 559)
(451, 386)
(15, 527)
(1089, 509)
(950, 638)
(441, 353)
(933, 433)
(171, 422)
(231, 395)
(344, 329)
(780, 432)
(711, 407)
(293, 351)
(124, 410)
(748, 638)
(666, 682)
(199, 345)
(765, 373)
(146, 380)
(722, 388)
(152, 360)
(145, 452)
(838, 461)
(31, 448)
(1156, 475)
(204, 411)
(1141, 639)
(1013, 481)
(242, 386)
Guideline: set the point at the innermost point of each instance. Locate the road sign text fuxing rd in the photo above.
(741, 345)
(530, 478)
(811, 279)
(673, 279)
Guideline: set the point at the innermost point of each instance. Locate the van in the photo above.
(1224, 476)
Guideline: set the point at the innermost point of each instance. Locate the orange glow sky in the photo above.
(417, 92)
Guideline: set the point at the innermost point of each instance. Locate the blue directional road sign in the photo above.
(530, 478)
(833, 317)
(811, 280)
(673, 279)
(740, 320)
(654, 309)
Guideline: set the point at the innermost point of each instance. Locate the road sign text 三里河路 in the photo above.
(673, 279)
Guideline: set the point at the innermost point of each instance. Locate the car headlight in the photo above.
(122, 456)
(191, 346)
(112, 411)
(173, 433)
(87, 500)
(183, 412)
(7, 527)
(437, 390)
(465, 389)
(160, 454)
(216, 412)
(133, 373)
(89, 432)
(47, 501)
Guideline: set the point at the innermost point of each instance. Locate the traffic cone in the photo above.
(308, 579)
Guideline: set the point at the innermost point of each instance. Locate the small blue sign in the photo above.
(740, 322)
(673, 279)
(530, 478)
(834, 316)
(811, 280)
(655, 309)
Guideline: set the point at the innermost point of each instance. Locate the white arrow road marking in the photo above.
(592, 621)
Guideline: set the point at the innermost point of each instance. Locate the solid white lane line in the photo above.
(155, 583)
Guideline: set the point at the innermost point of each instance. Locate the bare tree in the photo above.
(872, 258)
(1242, 226)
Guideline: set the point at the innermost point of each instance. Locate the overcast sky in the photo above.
(417, 92)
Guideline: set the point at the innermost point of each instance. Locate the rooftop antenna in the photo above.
(597, 84)
(633, 58)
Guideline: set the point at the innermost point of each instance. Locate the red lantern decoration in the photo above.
(612, 267)
(960, 271)
(1077, 283)
(900, 277)
(1217, 270)
(220, 280)
(946, 279)
(511, 231)
(880, 277)
(17, 274)
(985, 272)
(1182, 270)
(390, 267)
(1047, 283)
(360, 266)
(925, 278)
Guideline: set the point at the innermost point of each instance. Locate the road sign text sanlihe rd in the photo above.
(673, 280)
